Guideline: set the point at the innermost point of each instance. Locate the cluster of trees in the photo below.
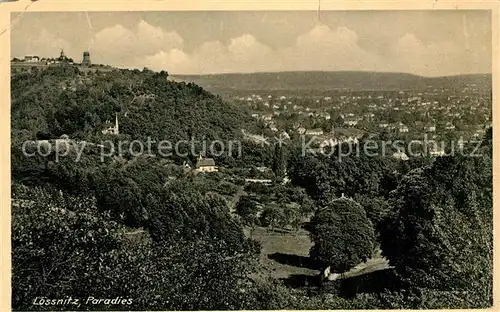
(439, 234)
(277, 206)
(435, 228)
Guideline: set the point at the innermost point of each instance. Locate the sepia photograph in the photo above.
(251, 159)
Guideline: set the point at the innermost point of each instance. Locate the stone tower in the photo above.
(86, 59)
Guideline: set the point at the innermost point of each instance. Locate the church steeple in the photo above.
(116, 124)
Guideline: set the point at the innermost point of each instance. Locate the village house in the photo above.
(31, 59)
(260, 181)
(383, 124)
(436, 151)
(206, 165)
(314, 132)
(449, 126)
(350, 122)
(267, 117)
(326, 116)
(285, 135)
(430, 128)
(400, 155)
(263, 169)
(295, 107)
(403, 128)
(329, 142)
(369, 116)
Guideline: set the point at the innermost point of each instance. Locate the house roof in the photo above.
(315, 130)
(205, 162)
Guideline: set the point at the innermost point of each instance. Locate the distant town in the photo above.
(439, 113)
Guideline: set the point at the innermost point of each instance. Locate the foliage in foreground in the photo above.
(439, 236)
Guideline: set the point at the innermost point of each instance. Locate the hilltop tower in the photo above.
(63, 56)
(86, 59)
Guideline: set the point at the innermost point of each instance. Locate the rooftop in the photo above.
(205, 162)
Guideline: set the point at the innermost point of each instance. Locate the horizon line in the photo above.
(329, 71)
(275, 72)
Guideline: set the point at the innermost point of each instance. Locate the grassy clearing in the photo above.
(286, 254)
(294, 244)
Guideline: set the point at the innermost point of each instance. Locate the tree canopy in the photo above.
(439, 235)
(342, 235)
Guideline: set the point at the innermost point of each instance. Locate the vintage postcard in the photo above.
(315, 155)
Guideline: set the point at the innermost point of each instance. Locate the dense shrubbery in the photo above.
(64, 247)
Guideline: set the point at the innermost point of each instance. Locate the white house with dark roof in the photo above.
(206, 165)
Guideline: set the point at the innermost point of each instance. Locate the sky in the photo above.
(427, 43)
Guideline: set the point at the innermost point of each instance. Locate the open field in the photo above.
(286, 255)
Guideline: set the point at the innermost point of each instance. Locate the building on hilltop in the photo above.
(31, 59)
(86, 59)
(206, 165)
(63, 58)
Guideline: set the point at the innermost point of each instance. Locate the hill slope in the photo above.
(64, 100)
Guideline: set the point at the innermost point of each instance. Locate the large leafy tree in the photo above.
(279, 162)
(342, 235)
(247, 208)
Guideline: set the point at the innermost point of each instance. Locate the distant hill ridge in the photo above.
(325, 80)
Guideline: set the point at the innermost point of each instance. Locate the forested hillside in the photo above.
(63, 100)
